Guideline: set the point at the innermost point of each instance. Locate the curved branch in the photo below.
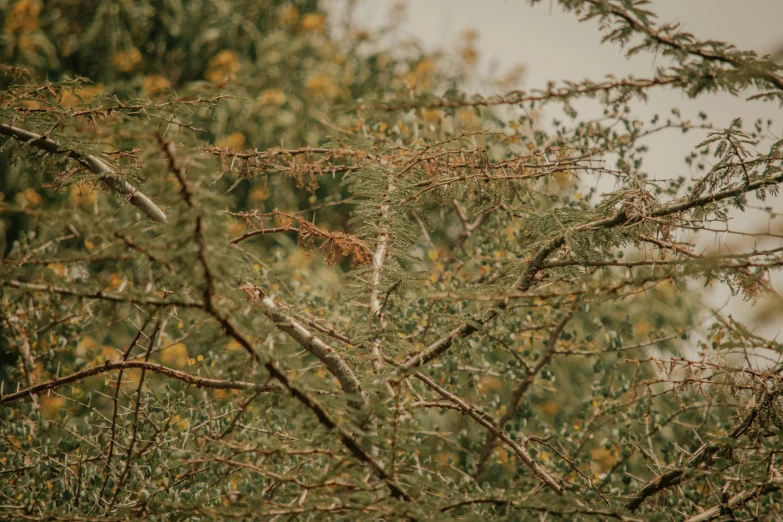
(734, 502)
(201, 382)
(325, 353)
(571, 90)
(100, 294)
(479, 417)
(622, 218)
(704, 455)
(755, 69)
(538, 261)
(519, 391)
(262, 231)
(324, 417)
(96, 165)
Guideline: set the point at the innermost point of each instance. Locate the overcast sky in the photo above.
(553, 45)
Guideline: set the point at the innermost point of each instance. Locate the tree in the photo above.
(259, 266)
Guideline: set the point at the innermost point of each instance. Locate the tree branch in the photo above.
(95, 165)
(734, 502)
(104, 296)
(519, 391)
(201, 382)
(702, 456)
(320, 412)
(376, 309)
(481, 418)
(325, 353)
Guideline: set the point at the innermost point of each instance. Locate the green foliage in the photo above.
(259, 264)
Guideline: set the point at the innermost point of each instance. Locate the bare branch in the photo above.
(480, 418)
(94, 164)
(325, 353)
(519, 391)
(201, 382)
(734, 502)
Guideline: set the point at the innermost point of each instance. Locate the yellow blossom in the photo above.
(422, 74)
(233, 345)
(259, 194)
(59, 269)
(68, 99)
(271, 97)
(313, 23)
(288, 15)
(222, 65)
(234, 141)
(175, 355)
(83, 194)
(467, 118)
(235, 228)
(604, 457)
(155, 83)
(88, 92)
(24, 16)
(50, 404)
(431, 115)
(321, 86)
(118, 282)
(30, 197)
(83, 94)
(126, 61)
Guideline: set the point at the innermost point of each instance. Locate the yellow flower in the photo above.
(235, 228)
(50, 405)
(222, 65)
(83, 194)
(24, 16)
(234, 141)
(233, 345)
(30, 197)
(604, 457)
(272, 97)
(431, 115)
(468, 51)
(288, 15)
(180, 423)
(68, 99)
(175, 355)
(467, 118)
(59, 269)
(88, 92)
(469, 55)
(86, 346)
(155, 83)
(422, 74)
(321, 86)
(126, 61)
(118, 282)
(550, 408)
(313, 23)
(259, 194)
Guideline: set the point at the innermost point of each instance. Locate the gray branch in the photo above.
(96, 165)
